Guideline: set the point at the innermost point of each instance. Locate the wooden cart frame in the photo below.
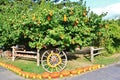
(51, 60)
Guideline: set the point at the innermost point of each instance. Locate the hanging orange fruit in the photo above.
(50, 13)
(84, 13)
(65, 18)
(62, 36)
(39, 21)
(71, 12)
(73, 41)
(23, 17)
(76, 22)
(34, 17)
(106, 26)
(99, 33)
(49, 18)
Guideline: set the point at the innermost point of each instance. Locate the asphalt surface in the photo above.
(8, 75)
(111, 72)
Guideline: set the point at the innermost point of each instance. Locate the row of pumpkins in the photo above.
(47, 75)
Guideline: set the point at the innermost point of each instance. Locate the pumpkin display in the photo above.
(53, 75)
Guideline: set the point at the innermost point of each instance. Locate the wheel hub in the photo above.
(53, 59)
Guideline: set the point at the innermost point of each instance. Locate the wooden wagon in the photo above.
(51, 60)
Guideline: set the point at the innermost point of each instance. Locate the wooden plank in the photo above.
(97, 53)
(97, 49)
(31, 52)
(27, 56)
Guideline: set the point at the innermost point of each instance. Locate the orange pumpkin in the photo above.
(95, 66)
(27, 75)
(39, 76)
(80, 70)
(55, 75)
(86, 69)
(45, 75)
(65, 73)
(74, 72)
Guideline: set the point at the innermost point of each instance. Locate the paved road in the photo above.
(108, 73)
(8, 75)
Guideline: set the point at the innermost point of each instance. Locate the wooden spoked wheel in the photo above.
(54, 61)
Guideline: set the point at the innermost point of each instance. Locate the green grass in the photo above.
(25, 65)
(107, 60)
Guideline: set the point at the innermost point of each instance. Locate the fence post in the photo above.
(13, 53)
(38, 57)
(92, 54)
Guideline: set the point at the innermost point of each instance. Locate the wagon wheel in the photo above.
(54, 61)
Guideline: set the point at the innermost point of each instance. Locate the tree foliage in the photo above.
(47, 25)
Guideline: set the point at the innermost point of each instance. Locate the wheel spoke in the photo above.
(60, 66)
(64, 60)
(48, 68)
(61, 55)
(56, 68)
(45, 64)
(45, 56)
(47, 53)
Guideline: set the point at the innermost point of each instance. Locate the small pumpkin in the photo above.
(27, 75)
(65, 73)
(95, 66)
(55, 75)
(39, 76)
(80, 70)
(74, 72)
(86, 69)
(45, 75)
